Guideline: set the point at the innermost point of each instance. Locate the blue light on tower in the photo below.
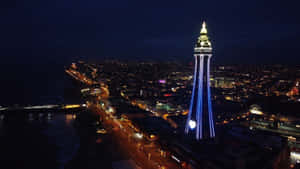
(200, 111)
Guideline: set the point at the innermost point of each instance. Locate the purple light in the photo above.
(162, 81)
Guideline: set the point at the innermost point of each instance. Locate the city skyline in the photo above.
(149, 85)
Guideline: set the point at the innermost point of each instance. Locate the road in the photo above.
(146, 154)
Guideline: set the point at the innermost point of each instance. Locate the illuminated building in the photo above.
(200, 118)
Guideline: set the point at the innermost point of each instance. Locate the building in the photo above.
(200, 118)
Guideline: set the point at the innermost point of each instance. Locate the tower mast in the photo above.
(200, 118)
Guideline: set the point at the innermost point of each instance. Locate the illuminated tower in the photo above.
(200, 118)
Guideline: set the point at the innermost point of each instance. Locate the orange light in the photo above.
(185, 112)
(98, 140)
(72, 106)
(69, 117)
(228, 98)
(165, 116)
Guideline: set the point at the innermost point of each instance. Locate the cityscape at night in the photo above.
(149, 85)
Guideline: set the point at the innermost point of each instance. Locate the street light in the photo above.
(139, 135)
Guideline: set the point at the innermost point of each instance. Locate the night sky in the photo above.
(39, 37)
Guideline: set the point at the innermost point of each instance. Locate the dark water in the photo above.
(38, 143)
(62, 133)
(63, 141)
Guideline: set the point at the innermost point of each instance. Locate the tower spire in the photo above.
(203, 29)
(203, 40)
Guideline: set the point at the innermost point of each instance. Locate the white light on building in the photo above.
(192, 124)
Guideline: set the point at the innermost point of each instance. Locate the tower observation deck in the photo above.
(200, 119)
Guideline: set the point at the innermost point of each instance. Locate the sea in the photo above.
(49, 139)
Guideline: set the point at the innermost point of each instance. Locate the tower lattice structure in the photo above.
(200, 117)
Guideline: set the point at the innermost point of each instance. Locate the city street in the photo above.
(145, 155)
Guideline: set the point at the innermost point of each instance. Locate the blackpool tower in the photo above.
(200, 119)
